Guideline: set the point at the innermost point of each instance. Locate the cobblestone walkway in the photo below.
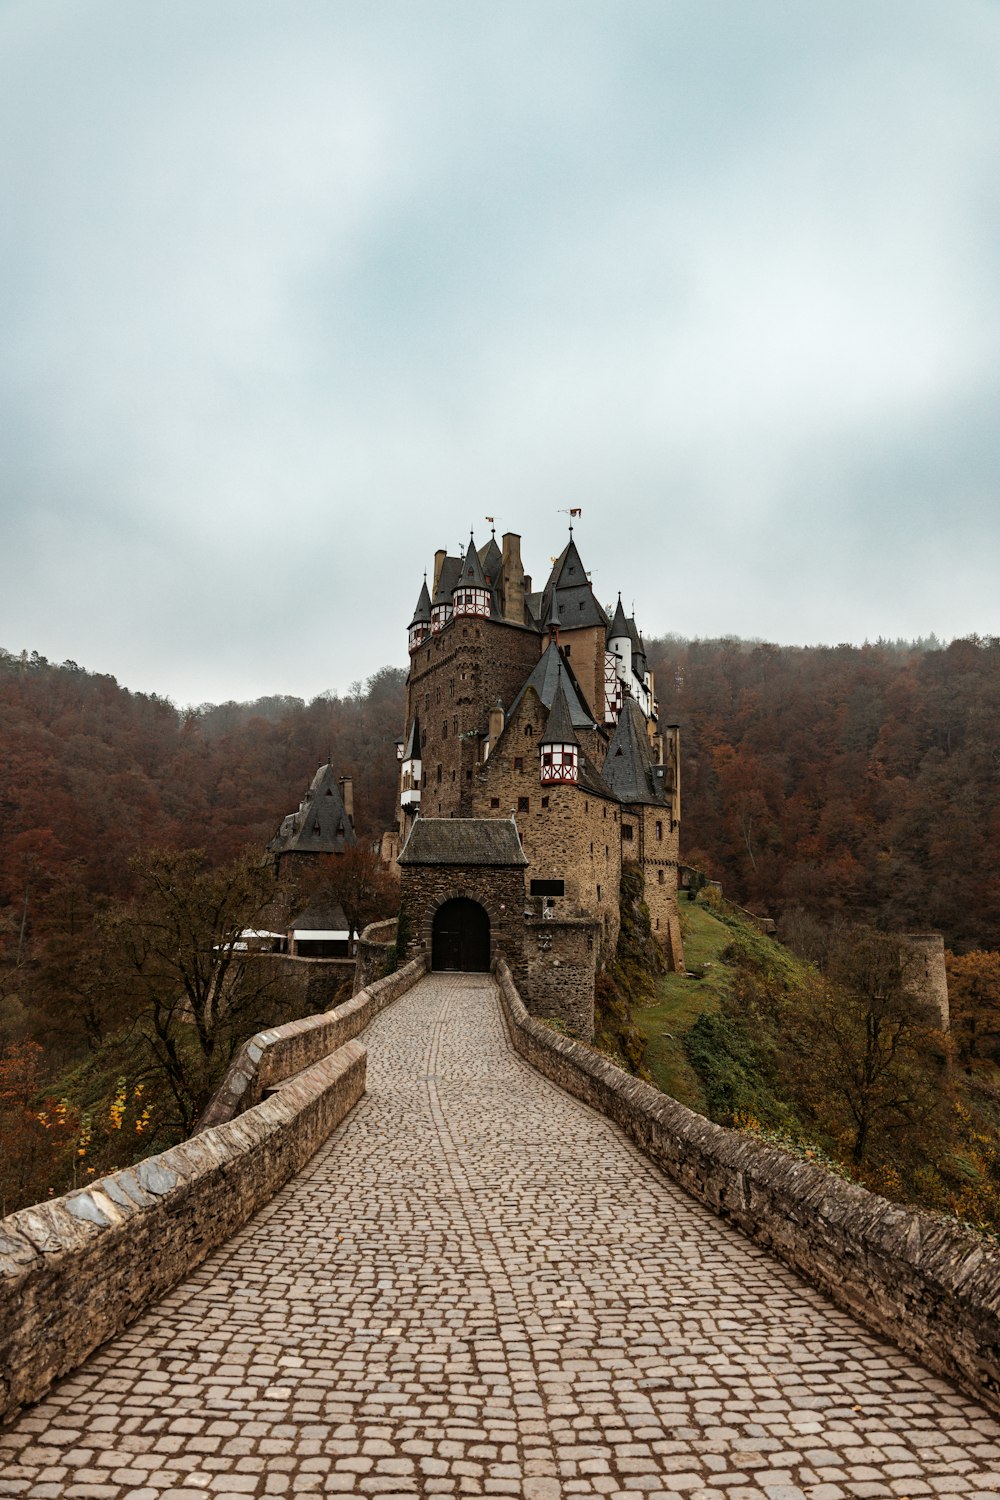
(478, 1288)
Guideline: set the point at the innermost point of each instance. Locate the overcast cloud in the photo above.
(293, 293)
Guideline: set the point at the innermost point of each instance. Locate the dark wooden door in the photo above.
(461, 937)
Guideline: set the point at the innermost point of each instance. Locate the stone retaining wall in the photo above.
(920, 1282)
(79, 1269)
(272, 1056)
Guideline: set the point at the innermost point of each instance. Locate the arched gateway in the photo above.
(460, 938)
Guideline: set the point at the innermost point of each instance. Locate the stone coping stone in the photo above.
(923, 1283)
(77, 1270)
(270, 1057)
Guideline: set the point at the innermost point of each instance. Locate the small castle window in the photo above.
(439, 779)
(518, 763)
(527, 729)
(545, 801)
(627, 832)
(454, 725)
(598, 893)
(494, 801)
(659, 877)
(465, 630)
(567, 650)
(444, 730)
(524, 804)
(451, 687)
(659, 830)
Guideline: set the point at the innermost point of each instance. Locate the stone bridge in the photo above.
(480, 1286)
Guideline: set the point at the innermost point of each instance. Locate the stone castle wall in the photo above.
(455, 678)
(921, 1282)
(568, 833)
(557, 971)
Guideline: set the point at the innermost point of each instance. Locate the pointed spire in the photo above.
(422, 613)
(471, 576)
(559, 725)
(619, 627)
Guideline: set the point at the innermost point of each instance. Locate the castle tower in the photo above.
(559, 749)
(420, 625)
(470, 594)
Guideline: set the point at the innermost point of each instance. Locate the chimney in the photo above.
(439, 558)
(346, 785)
(512, 574)
(497, 721)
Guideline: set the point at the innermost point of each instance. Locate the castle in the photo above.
(532, 764)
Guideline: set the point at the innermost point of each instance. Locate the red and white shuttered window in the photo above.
(471, 602)
(560, 763)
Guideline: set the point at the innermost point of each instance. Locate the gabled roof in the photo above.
(619, 627)
(422, 613)
(629, 769)
(411, 750)
(463, 841)
(549, 672)
(471, 572)
(321, 825)
(559, 724)
(575, 602)
(448, 577)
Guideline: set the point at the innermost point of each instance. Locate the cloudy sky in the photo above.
(293, 293)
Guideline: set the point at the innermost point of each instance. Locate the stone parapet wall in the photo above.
(316, 982)
(920, 1282)
(79, 1269)
(373, 949)
(270, 1057)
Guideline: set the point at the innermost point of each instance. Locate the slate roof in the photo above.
(411, 750)
(321, 825)
(447, 579)
(463, 841)
(629, 769)
(551, 671)
(619, 629)
(422, 613)
(470, 574)
(559, 725)
(322, 914)
(491, 560)
(638, 649)
(575, 601)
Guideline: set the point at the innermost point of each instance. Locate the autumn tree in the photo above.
(974, 1002)
(195, 991)
(861, 1051)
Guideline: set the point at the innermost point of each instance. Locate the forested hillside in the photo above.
(844, 780)
(91, 774)
(818, 783)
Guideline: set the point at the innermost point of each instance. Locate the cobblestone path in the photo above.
(479, 1288)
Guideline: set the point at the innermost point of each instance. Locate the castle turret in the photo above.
(559, 749)
(420, 625)
(619, 643)
(471, 595)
